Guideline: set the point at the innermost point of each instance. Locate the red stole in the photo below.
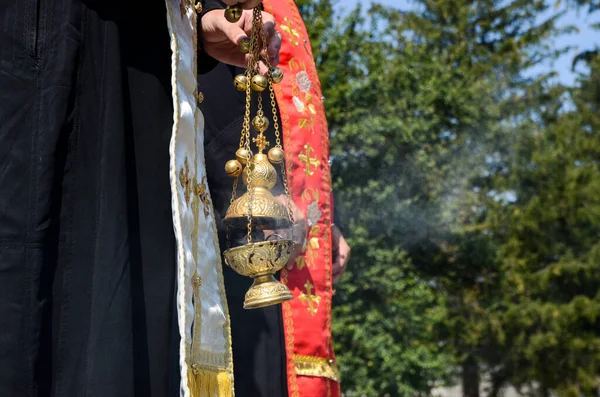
(312, 371)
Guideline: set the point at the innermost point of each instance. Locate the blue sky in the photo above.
(585, 39)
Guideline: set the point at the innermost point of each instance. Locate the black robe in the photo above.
(87, 250)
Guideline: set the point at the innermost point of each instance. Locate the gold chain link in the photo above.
(253, 69)
(257, 40)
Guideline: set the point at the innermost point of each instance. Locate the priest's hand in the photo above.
(341, 253)
(221, 38)
(247, 4)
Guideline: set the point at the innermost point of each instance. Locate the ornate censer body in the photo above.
(257, 211)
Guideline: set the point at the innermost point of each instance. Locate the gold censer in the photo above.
(257, 211)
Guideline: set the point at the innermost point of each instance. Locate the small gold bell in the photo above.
(233, 168)
(276, 155)
(276, 75)
(259, 83)
(244, 45)
(234, 13)
(242, 155)
(260, 123)
(240, 82)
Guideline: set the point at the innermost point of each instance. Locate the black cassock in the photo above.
(87, 251)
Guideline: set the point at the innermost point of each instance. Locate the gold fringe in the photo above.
(205, 382)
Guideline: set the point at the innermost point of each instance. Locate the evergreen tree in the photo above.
(551, 248)
(453, 173)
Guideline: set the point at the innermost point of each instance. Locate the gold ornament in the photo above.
(234, 13)
(277, 75)
(244, 45)
(240, 82)
(260, 123)
(233, 168)
(259, 83)
(257, 211)
(260, 261)
(276, 155)
(242, 155)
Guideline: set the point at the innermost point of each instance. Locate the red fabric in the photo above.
(306, 139)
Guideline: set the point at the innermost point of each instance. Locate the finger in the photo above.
(246, 22)
(262, 68)
(338, 272)
(274, 46)
(345, 253)
(275, 61)
(343, 259)
(269, 23)
(236, 35)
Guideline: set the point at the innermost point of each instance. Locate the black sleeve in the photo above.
(206, 63)
(210, 5)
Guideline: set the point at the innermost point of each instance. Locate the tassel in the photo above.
(205, 382)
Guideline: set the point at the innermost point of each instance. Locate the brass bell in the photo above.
(240, 82)
(244, 45)
(260, 123)
(276, 75)
(234, 13)
(242, 155)
(233, 168)
(276, 155)
(259, 83)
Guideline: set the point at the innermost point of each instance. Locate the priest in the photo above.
(110, 271)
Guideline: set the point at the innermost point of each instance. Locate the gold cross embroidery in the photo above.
(287, 27)
(203, 195)
(308, 160)
(310, 194)
(185, 181)
(309, 299)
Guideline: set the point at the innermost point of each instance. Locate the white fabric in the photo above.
(214, 349)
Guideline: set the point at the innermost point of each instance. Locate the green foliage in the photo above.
(551, 250)
(470, 196)
(385, 335)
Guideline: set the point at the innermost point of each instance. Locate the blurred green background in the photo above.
(465, 157)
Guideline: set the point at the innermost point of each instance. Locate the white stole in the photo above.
(205, 349)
